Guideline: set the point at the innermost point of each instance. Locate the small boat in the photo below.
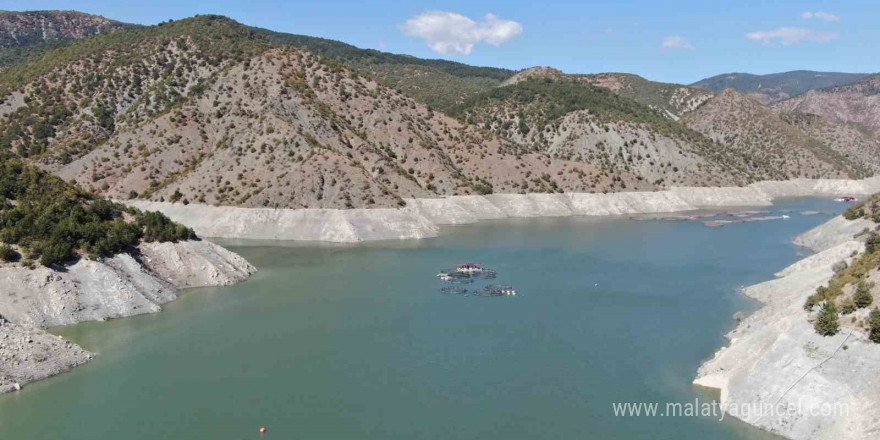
(454, 289)
(846, 199)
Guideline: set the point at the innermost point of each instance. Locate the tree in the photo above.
(874, 325)
(827, 323)
(873, 243)
(56, 253)
(863, 297)
(8, 254)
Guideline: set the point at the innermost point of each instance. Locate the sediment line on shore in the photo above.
(776, 358)
(422, 217)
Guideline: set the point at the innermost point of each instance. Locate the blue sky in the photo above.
(702, 38)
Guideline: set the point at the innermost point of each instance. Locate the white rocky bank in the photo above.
(89, 290)
(819, 387)
(422, 217)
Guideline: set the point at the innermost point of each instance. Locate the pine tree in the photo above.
(863, 296)
(874, 325)
(827, 323)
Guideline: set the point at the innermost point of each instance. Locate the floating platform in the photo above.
(493, 290)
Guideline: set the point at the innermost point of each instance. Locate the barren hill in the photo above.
(26, 33)
(776, 148)
(857, 103)
(209, 110)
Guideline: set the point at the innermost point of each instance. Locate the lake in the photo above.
(356, 341)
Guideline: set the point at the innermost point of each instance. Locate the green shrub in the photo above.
(53, 221)
(56, 253)
(874, 325)
(873, 243)
(854, 212)
(827, 323)
(815, 298)
(862, 297)
(8, 254)
(848, 306)
(158, 227)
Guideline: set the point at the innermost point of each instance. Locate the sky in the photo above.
(672, 41)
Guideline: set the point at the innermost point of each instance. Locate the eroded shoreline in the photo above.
(422, 218)
(35, 299)
(776, 360)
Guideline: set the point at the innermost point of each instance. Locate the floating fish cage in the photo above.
(493, 290)
(453, 289)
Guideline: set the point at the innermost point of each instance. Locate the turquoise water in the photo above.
(337, 342)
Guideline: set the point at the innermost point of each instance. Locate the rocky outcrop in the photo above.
(793, 381)
(421, 218)
(28, 354)
(91, 290)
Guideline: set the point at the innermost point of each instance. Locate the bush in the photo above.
(827, 323)
(874, 325)
(848, 306)
(8, 254)
(56, 253)
(815, 298)
(158, 227)
(862, 297)
(52, 221)
(873, 243)
(854, 212)
(840, 266)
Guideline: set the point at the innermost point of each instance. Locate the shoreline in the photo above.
(96, 290)
(774, 357)
(422, 217)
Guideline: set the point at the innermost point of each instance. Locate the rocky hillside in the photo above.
(440, 84)
(203, 110)
(67, 256)
(775, 148)
(571, 119)
(776, 87)
(854, 104)
(850, 140)
(23, 34)
(207, 110)
(671, 100)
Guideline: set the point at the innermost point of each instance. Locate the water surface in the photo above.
(337, 342)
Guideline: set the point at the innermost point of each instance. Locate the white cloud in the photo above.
(450, 32)
(791, 35)
(676, 42)
(819, 15)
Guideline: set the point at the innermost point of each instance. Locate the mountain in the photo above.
(205, 109)
(208, 110)
(856, 104)
(850, 140)
(778, 149)
(572, 119)
(775, 87)
(24, 34)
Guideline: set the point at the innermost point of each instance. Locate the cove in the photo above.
(355, 341)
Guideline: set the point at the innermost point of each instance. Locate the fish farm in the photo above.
(468, 273)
